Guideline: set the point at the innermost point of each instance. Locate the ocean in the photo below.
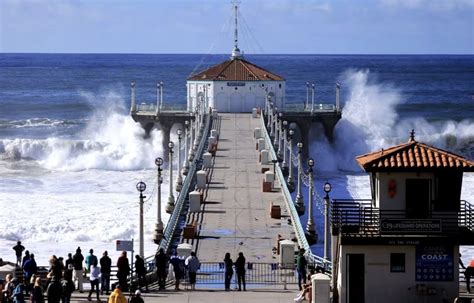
(70, 155)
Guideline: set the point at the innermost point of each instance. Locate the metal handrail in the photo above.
(319, 107)
(298, 228)
(174, 218)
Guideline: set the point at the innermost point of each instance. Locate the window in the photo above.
(236, 88)
(397, 262)
(279, 85)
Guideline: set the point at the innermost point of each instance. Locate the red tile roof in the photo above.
(413, 156)
(236, 69)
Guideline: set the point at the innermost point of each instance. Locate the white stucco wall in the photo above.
(381, 285)
(398, 202)
(226, 97)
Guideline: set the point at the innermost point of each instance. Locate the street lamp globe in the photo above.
(327, 187)
(300, 145)
(141, 186)
(159, 161)
(179, 132)
(310, 162)
(292, 132)
(285, 123)
(171, 145)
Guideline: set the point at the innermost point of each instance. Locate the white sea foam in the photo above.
(57, 194)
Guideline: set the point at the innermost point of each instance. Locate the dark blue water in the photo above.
(51, 103)
(52, 85)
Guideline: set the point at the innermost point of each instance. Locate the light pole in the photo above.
(312, 98)
(307, 95)
(280, 134)
(170, 206)
(159, 222)
(161, 95)
(186, 135)
(327, 189)
(191, 140)
(310, 228)
(179, 181)
(272, 125)
(269, 112)
(299, 197)
(284, 166)
(277, 130)
(291, 178)
(141, 186)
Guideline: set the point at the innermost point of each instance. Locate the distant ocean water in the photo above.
(70, 154)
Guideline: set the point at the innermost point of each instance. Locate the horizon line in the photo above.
(226, 54)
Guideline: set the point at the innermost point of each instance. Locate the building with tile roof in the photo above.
(402, 245)
(235, 85)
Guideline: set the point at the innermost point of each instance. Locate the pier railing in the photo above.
(150, 108)
(316, 108)
(298, 228)
(360, 218)
(171, 226)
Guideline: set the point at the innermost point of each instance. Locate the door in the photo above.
(236, 105)
(355, 282)
(418, 198)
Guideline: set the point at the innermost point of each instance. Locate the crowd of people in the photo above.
(66, 276)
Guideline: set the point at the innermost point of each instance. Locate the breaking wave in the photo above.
(110, 141)
(370, 122)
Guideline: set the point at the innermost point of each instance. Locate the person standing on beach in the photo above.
(90, 260)
(69, 266)
(105, 266)
(140, 269)
(18, 248)
(301, 265)
(78, 269)
(178, 269)
(123, 270)
(193, 265)
(161, 261)
(94, 280)
(228, 270)
(29, 269)
(240, 269)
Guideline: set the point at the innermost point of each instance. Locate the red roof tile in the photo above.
(413, 156)
(236, 69)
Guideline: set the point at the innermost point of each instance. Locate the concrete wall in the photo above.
(398, 202)
(228, 98)
(381, 285)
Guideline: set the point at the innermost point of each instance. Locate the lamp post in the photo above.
(277, 130)
(179, 181)
(299, 197)
(291, 178)
(269, 111)
(186, 138)
(280, 134)
(191, 140)
(272, 125)
(141, 186)
(161, 95)
(310, 228)
(284, 166)
(170, 206)
(307, 95)
(327, 189)
(159, 222)
(312, 98)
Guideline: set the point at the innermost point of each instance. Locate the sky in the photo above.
(266, 26)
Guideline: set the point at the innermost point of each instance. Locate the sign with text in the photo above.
(124, 245)
(409, 226)
(434, 263)
(235, 83)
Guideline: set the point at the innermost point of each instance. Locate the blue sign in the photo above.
(434, 263)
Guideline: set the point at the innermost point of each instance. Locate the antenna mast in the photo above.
(236, 51)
